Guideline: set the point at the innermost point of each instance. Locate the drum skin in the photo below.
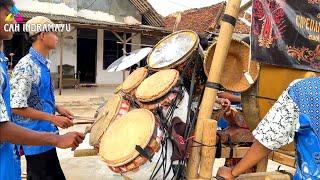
(271, 83)
(118, 144)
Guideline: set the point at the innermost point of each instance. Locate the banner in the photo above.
(286, 33)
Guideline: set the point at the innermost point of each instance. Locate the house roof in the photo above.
(203, 20)
(150, 14)
(113, 26)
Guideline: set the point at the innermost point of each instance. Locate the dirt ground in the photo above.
(84, 102)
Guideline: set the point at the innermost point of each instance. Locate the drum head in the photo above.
(134, 79)
(157, 85)
(127, 61)
(105, 118)
(173, 50)
(118, 144)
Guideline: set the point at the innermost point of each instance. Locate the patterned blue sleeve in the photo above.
(24, 75)
(3, 110)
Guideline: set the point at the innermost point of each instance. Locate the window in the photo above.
(112, 49)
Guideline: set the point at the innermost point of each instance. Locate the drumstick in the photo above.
(81, 120)
(84, 118)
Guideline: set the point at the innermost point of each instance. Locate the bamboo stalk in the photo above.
(209, 97)
(208, 152)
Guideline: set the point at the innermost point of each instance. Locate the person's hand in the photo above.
(69, 140)
(62, 121)
(225, 103)
(64, 112)
(225, 172)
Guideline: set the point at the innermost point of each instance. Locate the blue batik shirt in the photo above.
(31, 86)
(9, 159)
(296, 116)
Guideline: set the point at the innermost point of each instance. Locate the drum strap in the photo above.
(218, 149)
(216, 86)
(229, 19)
(144, 152)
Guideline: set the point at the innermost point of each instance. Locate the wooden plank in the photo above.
(85, 152)
(283, 159)
(118, 36)
(264, 176)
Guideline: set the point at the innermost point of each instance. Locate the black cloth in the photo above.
(44, 166)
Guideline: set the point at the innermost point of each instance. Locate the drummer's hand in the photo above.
(62, 121)
(69, 140)
(64, 112)
(225, 172)
(225, 104)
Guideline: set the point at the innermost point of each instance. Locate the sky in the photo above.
(166, 7)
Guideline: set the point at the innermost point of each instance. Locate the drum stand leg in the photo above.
(209, 97)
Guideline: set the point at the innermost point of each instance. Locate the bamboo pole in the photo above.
(208, 152)
(209, 97)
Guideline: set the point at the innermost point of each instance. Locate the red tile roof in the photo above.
(203, 19)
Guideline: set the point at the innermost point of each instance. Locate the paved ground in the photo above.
(83, 102)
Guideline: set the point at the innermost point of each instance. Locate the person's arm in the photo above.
(60, 121)
(64, 112)
(276, 129)
(230, 96)
(10, 132)
(24, 75)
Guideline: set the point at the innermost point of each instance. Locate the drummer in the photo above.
(294, 117)
(33, 101)
(9, 132)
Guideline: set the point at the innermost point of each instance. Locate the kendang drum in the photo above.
(178, 50)
(159, 90)
(237, 64)
(115, 107)
(131, 141)
(130, 84)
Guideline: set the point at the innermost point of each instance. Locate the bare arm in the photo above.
(255, 154)
(231, 97)
(10, 132)
(31, 113)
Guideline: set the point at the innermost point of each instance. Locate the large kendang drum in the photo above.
(121, 145)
